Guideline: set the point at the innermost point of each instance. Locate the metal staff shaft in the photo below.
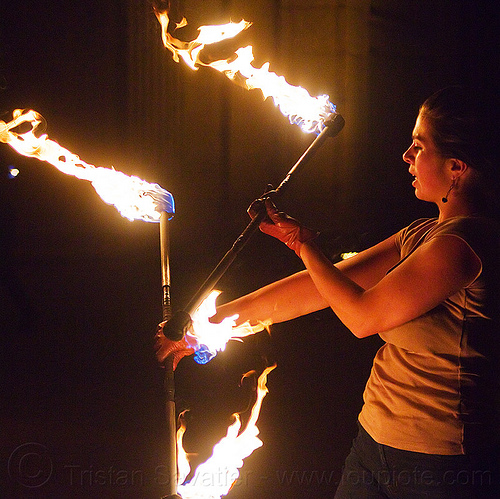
(169, 384)
(177, 326)
(332, 127)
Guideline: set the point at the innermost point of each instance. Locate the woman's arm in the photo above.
(432, 273)
(298, 294)
(364, 300)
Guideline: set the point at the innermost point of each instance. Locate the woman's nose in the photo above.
(407, 156)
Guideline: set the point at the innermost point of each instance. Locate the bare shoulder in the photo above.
(450, 256)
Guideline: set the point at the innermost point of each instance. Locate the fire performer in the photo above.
(430, 423)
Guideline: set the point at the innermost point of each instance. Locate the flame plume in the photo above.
(310, 113)
(210, 338)
(134, 198)
(215, 477)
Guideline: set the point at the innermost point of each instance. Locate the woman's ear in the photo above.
(458, 167)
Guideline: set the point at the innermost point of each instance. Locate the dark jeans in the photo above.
(375, 471)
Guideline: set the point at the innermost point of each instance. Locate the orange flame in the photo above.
(215, 477)
(134, 198)
(310, 113)
(212, 338)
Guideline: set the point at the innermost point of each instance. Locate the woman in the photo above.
(430, 423)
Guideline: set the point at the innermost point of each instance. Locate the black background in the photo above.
(80, 285)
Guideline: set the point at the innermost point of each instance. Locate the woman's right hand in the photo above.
(165, 347)
(281, 226)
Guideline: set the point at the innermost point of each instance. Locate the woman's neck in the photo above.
(456, 207)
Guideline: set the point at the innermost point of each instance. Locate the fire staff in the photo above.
(432, 401)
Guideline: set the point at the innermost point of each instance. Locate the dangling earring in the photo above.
(445, 199)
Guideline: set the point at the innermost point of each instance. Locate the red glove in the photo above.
(281, 226)
(165, 347)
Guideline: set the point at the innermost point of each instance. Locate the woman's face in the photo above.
(432, 177)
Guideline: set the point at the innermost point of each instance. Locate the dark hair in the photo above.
(464, 125)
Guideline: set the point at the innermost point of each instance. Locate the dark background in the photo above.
(81, 401)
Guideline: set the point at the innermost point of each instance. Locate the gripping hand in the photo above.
(165, 347)
(281, 226)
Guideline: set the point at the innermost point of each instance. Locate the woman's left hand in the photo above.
(283, 227)
(165, 347)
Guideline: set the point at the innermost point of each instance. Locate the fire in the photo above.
(215, 477)
(310, 113)
(212, 338)
(134, 198)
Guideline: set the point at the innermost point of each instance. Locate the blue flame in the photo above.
(203, 355)
(315, 125)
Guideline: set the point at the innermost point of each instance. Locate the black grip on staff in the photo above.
(180, 322)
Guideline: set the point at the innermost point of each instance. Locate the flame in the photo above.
(348, 254)
(134, 198)
(211, 338)
(215, 477)
(309, 113)
(183, 466)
